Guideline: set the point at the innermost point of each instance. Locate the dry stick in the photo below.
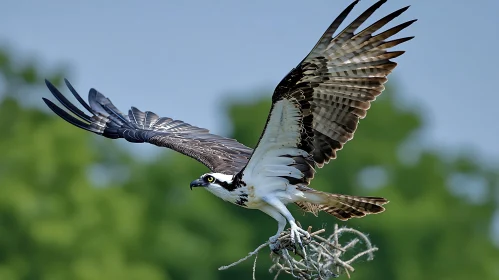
(321, 258)
(370, 251)
(348, 273)
(245, 258)
(331, 244)
(361, 235)
(260, 247)
(334, 256)
(336, 244)
(254, 267)
(277, 274)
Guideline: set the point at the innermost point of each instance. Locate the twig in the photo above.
(254, 267)
(245, 258)
(318, 258)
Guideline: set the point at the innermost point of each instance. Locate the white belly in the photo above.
(284, 192)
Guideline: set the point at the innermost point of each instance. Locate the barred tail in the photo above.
(343, 207)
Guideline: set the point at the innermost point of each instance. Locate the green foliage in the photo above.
(143, 222)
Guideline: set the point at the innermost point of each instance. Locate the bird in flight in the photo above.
(315, 111)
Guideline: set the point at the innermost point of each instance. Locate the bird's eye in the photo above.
(210, 179)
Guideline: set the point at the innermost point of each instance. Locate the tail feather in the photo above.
(343, 207)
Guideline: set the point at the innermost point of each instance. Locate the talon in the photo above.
(296, 233)
(298, 240)
(304, 232)
(274, 244)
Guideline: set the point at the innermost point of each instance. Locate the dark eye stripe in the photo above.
(225, 185)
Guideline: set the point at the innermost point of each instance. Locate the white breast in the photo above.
(267, 164)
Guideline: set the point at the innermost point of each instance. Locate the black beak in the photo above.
(197, 183)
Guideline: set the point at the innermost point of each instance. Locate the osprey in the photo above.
(315, 111)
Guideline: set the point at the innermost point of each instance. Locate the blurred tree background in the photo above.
(75, 206)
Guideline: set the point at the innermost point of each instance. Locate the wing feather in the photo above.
(218, 153)
(332, 88)
(344, 77)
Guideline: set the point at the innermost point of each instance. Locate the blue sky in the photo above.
(183, 59)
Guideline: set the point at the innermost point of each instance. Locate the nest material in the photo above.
(320, 258)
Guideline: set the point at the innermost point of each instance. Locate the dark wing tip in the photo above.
(67, 117)
(96, 100)
(95, 96)
(354, 3)
(50, 86)
(47, 101)
(395, 14)
(375, 6)
(412, 21)
(401, 10)
(66, 103)
(77, 96)
(93, 93)
(68, 84)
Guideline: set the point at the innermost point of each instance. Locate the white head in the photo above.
(217, 183)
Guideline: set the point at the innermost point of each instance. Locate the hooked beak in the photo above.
(197, 183)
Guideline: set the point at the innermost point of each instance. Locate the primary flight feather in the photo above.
(315, 111)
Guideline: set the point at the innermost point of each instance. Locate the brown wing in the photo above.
(317, 106)
(218, 153)
(337, 81)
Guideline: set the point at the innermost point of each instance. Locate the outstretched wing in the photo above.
(218, 153)
(317, 106)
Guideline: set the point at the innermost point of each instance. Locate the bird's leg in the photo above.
(274, 240)
(295, 231)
